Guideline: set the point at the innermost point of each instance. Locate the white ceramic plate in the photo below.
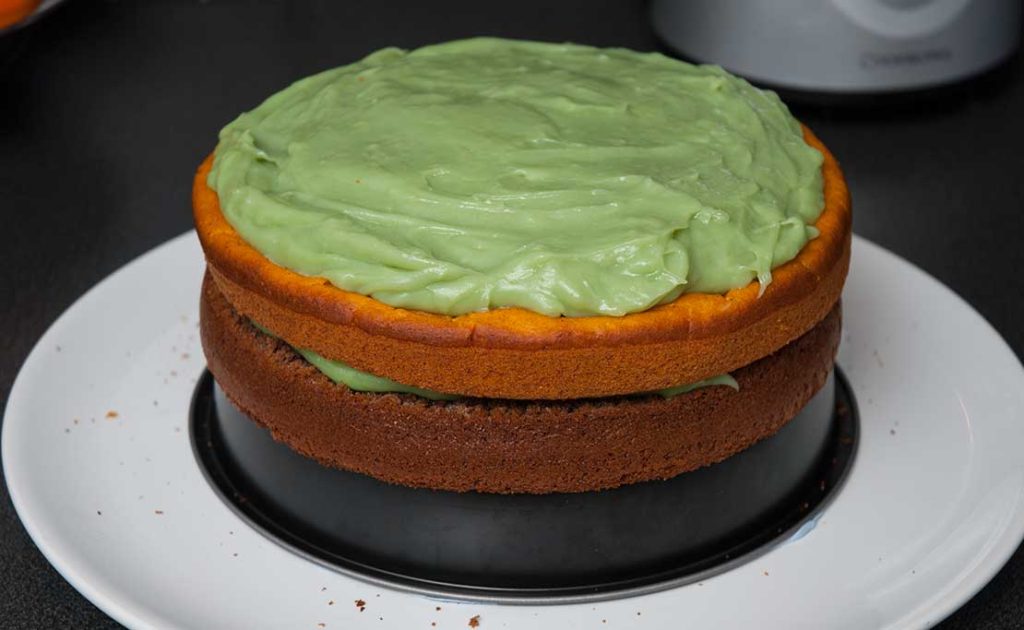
(932, 508)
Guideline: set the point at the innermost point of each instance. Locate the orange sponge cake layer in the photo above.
(512, 353)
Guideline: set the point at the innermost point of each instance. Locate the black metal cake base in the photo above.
(529, 548)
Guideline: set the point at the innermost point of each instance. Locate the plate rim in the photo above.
(122, 609)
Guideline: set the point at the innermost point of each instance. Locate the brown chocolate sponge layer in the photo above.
(507, 446)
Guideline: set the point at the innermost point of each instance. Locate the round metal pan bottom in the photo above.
(554, 548)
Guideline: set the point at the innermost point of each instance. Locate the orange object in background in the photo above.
(14, 11)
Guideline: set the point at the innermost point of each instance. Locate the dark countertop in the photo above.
(106, 108)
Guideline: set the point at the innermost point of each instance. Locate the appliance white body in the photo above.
(843, 46)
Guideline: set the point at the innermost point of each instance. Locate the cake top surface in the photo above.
(487, 173)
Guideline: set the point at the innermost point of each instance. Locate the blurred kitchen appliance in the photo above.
(843, 46)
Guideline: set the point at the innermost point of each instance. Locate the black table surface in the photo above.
(106, 108)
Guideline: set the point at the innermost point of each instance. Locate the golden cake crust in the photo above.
(517, 354)
(507, 446)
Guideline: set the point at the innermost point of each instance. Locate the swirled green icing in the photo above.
(488, 173)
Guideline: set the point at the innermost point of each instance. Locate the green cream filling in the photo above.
(360, 381)
(722, 379)
(487, 173)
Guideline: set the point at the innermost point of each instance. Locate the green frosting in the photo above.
(485, 173)
(357, 380)
(363, 381)
(722, 379)
(360, 381)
